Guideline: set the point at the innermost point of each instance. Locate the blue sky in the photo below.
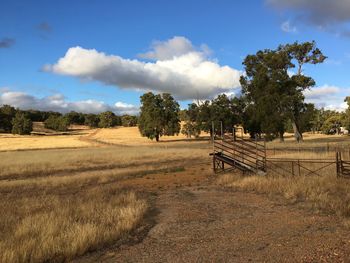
(102, 55)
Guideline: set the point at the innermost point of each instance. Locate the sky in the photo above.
(97, 55)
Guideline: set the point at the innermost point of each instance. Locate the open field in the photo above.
(119, 197)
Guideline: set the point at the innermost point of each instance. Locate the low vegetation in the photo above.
(326, 193)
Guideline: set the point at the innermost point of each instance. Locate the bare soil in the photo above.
(194, 220)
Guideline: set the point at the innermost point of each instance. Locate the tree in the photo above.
(57, 123)
(75, 118)
(128, 120)
(159, 116)
(92, 120)
(266, 90)
(7, 113)
(191, 126)
(347, 114)
(274, 96)
(302, 53)
(107, 120)
(21, 124)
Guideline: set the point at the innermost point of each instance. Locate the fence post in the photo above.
(299, 167)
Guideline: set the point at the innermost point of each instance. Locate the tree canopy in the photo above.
(159, 115)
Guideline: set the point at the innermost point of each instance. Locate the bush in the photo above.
(57, 123)
(21, 124)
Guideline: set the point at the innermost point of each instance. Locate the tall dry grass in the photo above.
(325, 192)
(57, 228)
(58, 204)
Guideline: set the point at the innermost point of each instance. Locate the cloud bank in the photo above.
(326, 96)
(178, 68)
(325, 14)
(59, 103)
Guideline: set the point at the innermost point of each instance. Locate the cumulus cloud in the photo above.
(326, 96)
(178, 68)
(7, 42)
(325, 14)
(59, 103)
(287, 27)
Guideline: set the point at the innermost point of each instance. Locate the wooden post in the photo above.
(299, 169)
(222, 136)
(293, 168)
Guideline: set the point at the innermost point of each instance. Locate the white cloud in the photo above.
(179, 69)
(326, 96)
(59, 103)
(321, 92)
(287, 27)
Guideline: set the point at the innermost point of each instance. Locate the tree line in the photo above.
(272, 101)
(19, 121)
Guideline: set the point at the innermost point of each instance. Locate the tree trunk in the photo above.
(157, 137)
(297, 135)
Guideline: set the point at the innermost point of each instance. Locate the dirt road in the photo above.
(205, 223)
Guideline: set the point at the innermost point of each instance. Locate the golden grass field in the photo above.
(68, 196)
(58, 204)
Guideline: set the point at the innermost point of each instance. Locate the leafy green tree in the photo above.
(191, 126)
(107, 120)
(92, 120)
(266, 91)
(159, 116)
(347, 114)
(75, 118)
(272, 95)
(21, 124)
(7, 113)
(128, 120)
(57, 123)
(332, 124)
(302, 53)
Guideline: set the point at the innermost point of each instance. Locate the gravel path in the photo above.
(211, 224)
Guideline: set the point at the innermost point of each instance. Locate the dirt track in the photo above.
(205, 223)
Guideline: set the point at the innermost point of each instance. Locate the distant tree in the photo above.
(107, 120)
(347, 114)
(57, 123)
(159, 115)
(7, 113)
(332, 124)
(21, 124)
(75, 118)
(190, 117)
(91, 120)
(128, 120)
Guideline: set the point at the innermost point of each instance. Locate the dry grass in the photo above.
(56, 228)
(131, 136)
(325, 192)
(10, 142)
(58, 204)
(312, 141)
